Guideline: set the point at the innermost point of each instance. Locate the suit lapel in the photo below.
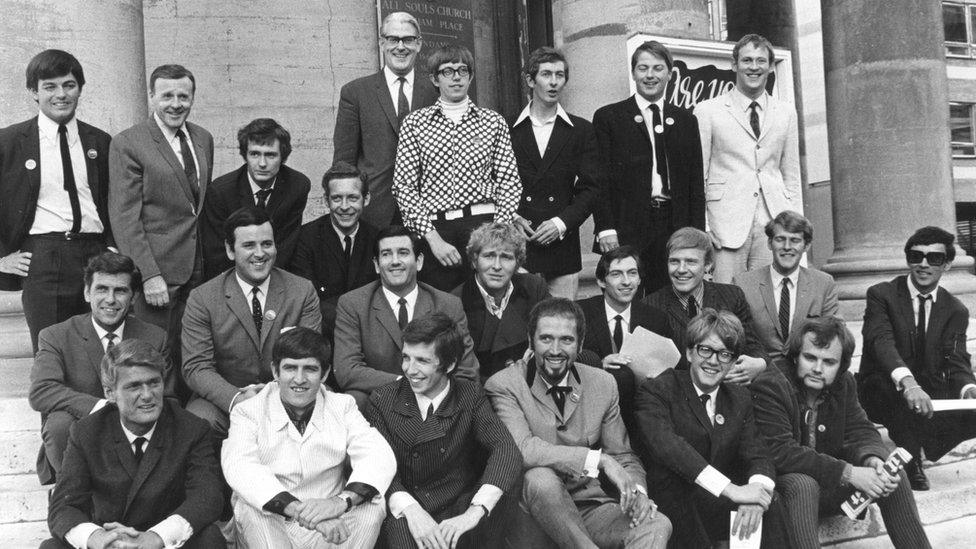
(244, 196)
(771, 110)
(382, 94)
(572, 399)
(474, 308)
(150, 457)
(273, 304)
(239, 306)
(538, 391)
(93, 346)
(601, 329)
(631, 114)
(906, 310)
(739, 116)
(436, 425)
(167, 152)
(526, 149)
(122, 448)
(407, 419)
(561, 132)
(32, 150)
(383, 314)
(769, 300)
(804, 297)
(693, 402)
(202, 165)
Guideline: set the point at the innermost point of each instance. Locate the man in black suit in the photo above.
(54, 184)
(335, 250)
(558, 165)
(140, 473)
(371, 109)
(497, 298)
(262, 181)
(613, 316)
(651, 153)
(915, 350)
(703, 453)
(690, 255)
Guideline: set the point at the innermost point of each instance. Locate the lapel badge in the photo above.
(476, 141)
(659, 129)
(639, 119)
(821, 427)
(669, 121)
(270, 314)
(720, 419)
(574, 396)
(30, 164)
(92, 154)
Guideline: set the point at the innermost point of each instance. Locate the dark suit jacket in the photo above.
(151, 204)
(889, 339)
(562, 183)
(102, 482)
(625, 150)
(679, 441)
(722, 297)
(366, 133)
(844, 433)
(20, 186)
(319, 258)
(232, 191)
(450, 456)
(509, 341)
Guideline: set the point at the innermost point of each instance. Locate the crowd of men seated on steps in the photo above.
(410, 369)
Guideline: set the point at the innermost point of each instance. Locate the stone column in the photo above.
(106, 37)
(887, 118)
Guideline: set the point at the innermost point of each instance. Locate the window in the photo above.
(961, 129)
(959, 22)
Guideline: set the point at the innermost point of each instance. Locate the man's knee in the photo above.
(207, 538)
(541, 483)
(54, 434)
(798, 486)
(653, 532)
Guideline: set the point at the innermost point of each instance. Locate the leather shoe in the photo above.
(916, 476)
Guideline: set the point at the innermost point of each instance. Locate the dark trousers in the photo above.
(456, 233)
(208, 538)
(54, 287)
(805, 501)
(490, 533)
(654, 252)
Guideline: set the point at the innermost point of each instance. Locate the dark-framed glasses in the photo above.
(935, 259)
(406, 40)
(449, 72)
(724, 356)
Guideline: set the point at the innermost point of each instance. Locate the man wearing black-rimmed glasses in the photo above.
(915, 351)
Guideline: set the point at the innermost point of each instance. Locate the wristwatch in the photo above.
(348, 499)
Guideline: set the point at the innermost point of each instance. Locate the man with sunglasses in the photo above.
(371, 110)
(915, 351)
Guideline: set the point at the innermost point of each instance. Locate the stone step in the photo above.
(14, 336)
(18, 451)
(24, 535)
(15, 377)
(22, 499)
(952, 534)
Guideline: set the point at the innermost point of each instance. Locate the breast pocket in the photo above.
(715, 190)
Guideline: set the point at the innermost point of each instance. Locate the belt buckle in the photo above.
(68, 235)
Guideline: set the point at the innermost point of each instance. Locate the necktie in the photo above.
(262, 196)
(189, 166)
(430, 411)
(69, 179)
(754, 118)
(558, 393)
(402, 314)
(704, 400)
(784, 309)
(403, 106)
(139, 442)
(920, 327)
(660, 156)
(110, 340)
(256, 309)
(347, 248)
(618, 334)
(692, 307)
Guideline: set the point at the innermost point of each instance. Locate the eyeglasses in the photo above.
(706, 352)
(448, 72)
(407, 40)
(935, 259)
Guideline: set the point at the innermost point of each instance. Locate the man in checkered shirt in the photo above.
(455, 169)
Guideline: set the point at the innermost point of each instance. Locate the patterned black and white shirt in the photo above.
(443, 166)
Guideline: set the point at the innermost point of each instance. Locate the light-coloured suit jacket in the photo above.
(222, 350)
(150, 202)
(816, 295)
(590, 420)
(264, 454)
(737, 165)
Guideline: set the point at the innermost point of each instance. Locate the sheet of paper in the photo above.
(650, 353)
(751, 542)
(943, 405)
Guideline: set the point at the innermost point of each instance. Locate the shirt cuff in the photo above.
(98, 406)
(362, 490)
(591, 467)
(78, 536)
(559, 225)
(278, 503)
(399, 501)
(966, 387)
(712, 480)
(174, 530)
(606, 233)
(487, 496)
(764, 480)
(899, 374)
(845, 476)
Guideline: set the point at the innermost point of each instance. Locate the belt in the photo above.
(469, 210)
(68, 236)
(660, 202)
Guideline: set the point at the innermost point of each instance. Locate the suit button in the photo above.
(528, 199)
(755, 194)
(821, 427)
(322, 289)
(758, 171)
(758, 147)
(416, 455)
(551, 199)
(443, 450)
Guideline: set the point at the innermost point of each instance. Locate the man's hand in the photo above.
(314, 511)
(619, 477)
(102, 538)
(754, 494)
(155, 291)
(716, 243)
(546, 234)
(747, 520)
(873, 481)
(615, 361)
(608, 243)
(17, 263)
(248, 392)
(525, 226)
(335, 531)
(969, 393)
(453, 528)
(745, 370)
(916, 398)
(445, 254)
(144, 540)
(424, 529)
(642, 509)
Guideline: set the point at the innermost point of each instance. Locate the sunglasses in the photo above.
(935, 259)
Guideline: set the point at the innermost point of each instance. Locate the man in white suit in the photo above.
(783, 294)
(289, 451)
(751, 156)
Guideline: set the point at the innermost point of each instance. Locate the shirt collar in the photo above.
(625, 314)
(169, 132)
(698, 294)
(496, 310)
(778, 278)
(527, 113)
(131, 437)
(246, 287)
(100, 332)
(48, 128)
(423, 402)
(391, 77)
(343, 235)
(564, 382)
(742, 102)
(643, 103)
(713, 393)
(255, 187)
(914, 293)
(394, 299)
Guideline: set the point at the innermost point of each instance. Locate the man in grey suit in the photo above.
(371, 109)
(370, 320)
(583, 484)
(65, 383)
(784, 294)
(159, 171)
(233, 320)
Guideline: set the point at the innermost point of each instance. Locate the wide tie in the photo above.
(139, 443)
(660, 155)
(110, 340)
(403, 106)
(558, 393)
(347, 248)
(262, 196)
(189, 166)
(256, 309)
(692, 307)
(920, 326)
(704, 400)
(618, 334)
(754, 118)
(69, 179)
(784, 309)
(402, 314)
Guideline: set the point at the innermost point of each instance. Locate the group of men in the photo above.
(398, 371)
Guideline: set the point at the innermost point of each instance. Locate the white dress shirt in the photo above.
(393, 85)
(248, 290)
(255, 187)
(394, 301)
(612, 323)
(777, 279)
(174, 142)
